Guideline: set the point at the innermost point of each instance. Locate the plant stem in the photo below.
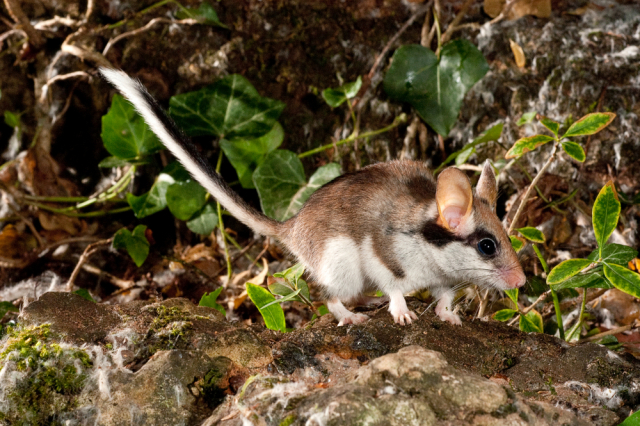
(399, 120)
(143, 11)
(556, 307)
(525, 197)
(221, 226)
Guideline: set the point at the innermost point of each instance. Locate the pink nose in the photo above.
(514, 278)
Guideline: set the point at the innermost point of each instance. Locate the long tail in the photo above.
(185, 151)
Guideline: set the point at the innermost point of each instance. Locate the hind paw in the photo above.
(353, 319)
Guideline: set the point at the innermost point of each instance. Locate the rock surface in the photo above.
(173, 362)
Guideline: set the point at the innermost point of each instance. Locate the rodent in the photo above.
(390, 226)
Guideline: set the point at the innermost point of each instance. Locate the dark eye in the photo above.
(487, 247)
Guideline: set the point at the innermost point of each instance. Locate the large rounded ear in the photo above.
(487, 188)
(454, 198)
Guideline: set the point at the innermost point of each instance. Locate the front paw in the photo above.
(405, 317)
(446, 315)
(353, 319)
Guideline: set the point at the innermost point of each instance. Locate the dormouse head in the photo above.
(481, 251)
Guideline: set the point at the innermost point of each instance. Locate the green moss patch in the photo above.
(41, 378)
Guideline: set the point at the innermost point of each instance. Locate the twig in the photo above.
(526, 310)
(56, 20)
(147, 27)
(66, 104)
(483, 304)
(90, 6)
(611, 332)
(19, 17)
(397, 35)
(453, 26)
(533, 184)
(505, 10)
(91, 248)
(83, 54)
(118, 282)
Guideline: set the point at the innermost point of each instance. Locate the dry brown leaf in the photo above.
(14, 244)
(518, 54)
(538, 8)
(60, 222)
(257, 280)
(197, 252)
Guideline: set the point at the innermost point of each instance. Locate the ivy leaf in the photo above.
(282, 186)
(335, 97)
(209, 300)
(84, 293)
(435, 88)
(7, 307)
(526, 118)
(229, 108)
(185, 198)
(532, 234)
(524, 145)
(205, 221)
(112, 162)
(205, 14)
(12, 119)
(513, 295)
(550, 124)
(273, 315)
(574, 151)
(504, 315)
(516, 243)
(155, 199)
(124, 132)
(614, 253)
(531, 322)
(566, 270)
(623, 279)
(247, 155)
(136, 243)
(593, 279)
(606, 211)
(491, 134)
(590, 124)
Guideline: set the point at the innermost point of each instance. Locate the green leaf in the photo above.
(136, 244)
(229, 108)
(323, 310)
(111, 162)
(464, 156)
(550, 124)
(524, 145)
(516, 243)
(590, 124)
(292, 274)
(593, 279)
(124, 132)
(84, 293)
(205, 14)
(623, 279)
(606, 211)
(288, 298)
(7, 307)
(273, 315)
(513, 295)
(281, 183)
(11, 119)
(205, 221)
(532, 234)
(184, 199)
(247, 155)
(504, 315)
(435, 88)
(491, 134)
(531, 322)
(209, 300)
(155, 199)
(335, 97)
(526, 118)
(632, 420)
(566, 270)
(574, 151)
(614, 253)
(280, 289)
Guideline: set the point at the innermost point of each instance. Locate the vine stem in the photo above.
(533, 184)
(221, 227)
(398, 121)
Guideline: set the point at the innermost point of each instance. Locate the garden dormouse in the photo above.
(390, 226)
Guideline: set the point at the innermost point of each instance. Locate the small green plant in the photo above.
(288, 286)
(135, 243)
(209, 300)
